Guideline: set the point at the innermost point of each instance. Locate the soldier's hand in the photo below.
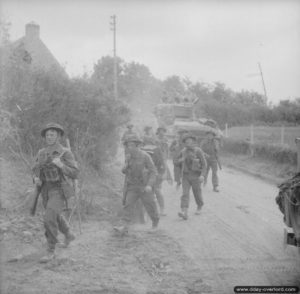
(57, 162)
(201, 179)
(148, 189)
(37, 181)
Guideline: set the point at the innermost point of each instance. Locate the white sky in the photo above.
(204, 40)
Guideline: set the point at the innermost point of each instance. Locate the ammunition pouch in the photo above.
(51, 173)
(196, 166)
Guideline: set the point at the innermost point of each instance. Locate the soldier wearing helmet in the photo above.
(148, 138)
(54, 169)
(160, 164)
(175, 149)
(193, 169)
(140, 177)
(128, 132)
(210, 146)
(162, 141)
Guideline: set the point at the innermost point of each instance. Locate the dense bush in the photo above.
(33, 98)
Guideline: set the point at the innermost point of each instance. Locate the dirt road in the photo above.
(237, 240)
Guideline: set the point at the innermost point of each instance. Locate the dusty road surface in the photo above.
(237, 240)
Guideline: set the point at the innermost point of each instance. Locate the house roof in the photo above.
(32, 50)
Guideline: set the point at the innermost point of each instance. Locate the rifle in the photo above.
(219, 162)
(37, 191)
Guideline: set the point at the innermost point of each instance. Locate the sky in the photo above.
(206, 41)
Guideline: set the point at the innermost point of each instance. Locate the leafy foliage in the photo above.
(90, 116)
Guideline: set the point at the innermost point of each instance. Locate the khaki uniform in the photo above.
(148, 139)
(56, 188)
(211, 148)
(175, 149)
(162, 143)
(193, 165)
(140, 172)
(160, 165)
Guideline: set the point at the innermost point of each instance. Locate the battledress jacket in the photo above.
(67, 173)
(210, 147)
(140, 170)
(194, 162)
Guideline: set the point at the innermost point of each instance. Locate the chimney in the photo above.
(32, 30)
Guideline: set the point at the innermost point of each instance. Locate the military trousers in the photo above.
(54, 221)
(132, 195)
(157, 191)
(213, 165)
(191, 181)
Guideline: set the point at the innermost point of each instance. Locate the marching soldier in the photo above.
(128, 132)
(140, 177)
(148, 138)
(158, 160)
(54, 170)
(162, 143)
(193, 167)
(175, 149)
(210, 147)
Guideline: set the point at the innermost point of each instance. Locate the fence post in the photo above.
(297, 140)
(226, 130)
(251, 134)
(251, 140)
(282, 135)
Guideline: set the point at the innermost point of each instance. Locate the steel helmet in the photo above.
(187, 136)
(52, 126)
(133, 138)
(161, 129)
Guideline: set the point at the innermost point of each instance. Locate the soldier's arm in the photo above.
(180, 157)
(160, 163)
(152, 170)
(173, 146)
(70, 167)
(216, 146)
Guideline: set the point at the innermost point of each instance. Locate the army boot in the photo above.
(69, 237)
(49, 256)
(183, 214)
(155, 223)
(216, 189)
(198, 211)
(162, 212)
(122, 230)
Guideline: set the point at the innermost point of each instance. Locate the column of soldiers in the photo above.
(145, 168)
(145, 175)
